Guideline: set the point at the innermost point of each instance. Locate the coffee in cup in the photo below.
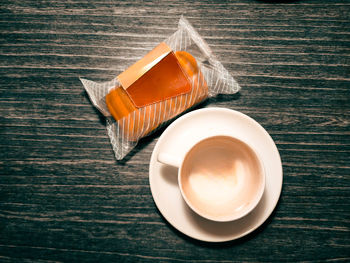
(221, 178)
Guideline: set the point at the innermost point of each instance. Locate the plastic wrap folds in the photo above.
(177, 74)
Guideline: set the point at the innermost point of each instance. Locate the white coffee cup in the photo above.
(221, 178)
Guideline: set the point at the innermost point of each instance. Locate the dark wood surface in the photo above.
(63, 196)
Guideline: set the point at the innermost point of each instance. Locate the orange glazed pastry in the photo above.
(178, 73)
(155, 89)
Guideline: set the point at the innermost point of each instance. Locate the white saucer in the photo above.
(184, 133)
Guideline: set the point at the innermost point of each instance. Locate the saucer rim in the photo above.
(277, 189)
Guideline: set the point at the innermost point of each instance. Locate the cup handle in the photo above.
(168, 159)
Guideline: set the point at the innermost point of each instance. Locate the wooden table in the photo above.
(63, 196)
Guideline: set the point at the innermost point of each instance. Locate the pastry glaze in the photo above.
(152, 93)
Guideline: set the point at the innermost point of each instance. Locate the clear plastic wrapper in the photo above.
(176, 75)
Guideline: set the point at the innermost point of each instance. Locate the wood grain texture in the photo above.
(63, 197)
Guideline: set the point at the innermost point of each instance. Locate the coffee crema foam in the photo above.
(221, 177)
